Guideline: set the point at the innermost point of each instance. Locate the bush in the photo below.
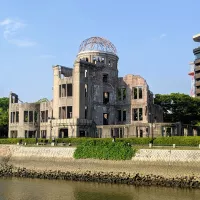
(77, 141)
(104, 150)
(17, 140)
(178, 140)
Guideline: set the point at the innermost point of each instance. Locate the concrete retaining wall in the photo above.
(48, 153)
(167, 155)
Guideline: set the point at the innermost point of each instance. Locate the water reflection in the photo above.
(28, 189)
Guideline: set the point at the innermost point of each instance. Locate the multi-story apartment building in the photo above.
(196, 52)
(85, 96)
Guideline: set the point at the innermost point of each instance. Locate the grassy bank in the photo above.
(105, 150)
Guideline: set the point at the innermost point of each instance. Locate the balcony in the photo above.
(197, 91)
(197, 68)
(197, 83)
(197, 76)
(197, 62)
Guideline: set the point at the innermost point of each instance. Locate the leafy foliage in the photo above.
(76, 141)
(23, 140)
(104, 150)
(179, 107)
(42, 100)
(178, 140)
(4, 106)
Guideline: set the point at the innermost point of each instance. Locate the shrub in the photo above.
(178, 140)
(17, 140)
(104, 150)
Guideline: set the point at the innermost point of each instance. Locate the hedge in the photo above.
(178, 140)
(76, 141)
(104, 150)
(17, 140)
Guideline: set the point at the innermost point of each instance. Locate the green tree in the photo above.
(179, 107)
(4, 107)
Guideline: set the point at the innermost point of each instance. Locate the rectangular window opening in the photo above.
(30, 116)
(124, 93)
(135, 114)
(86, 112)
(140, 114)
(105, 78)
(119, 97)
(134, 93)
(124, 115)
(69, 112)
(85, 73)
(86, 90)
(17, 116)
(69, 90)
(46, 116)
(119, 114)
(59, 90)
(140, 93)
(105, 118)
(106, 97)
(64, 92)
(25, 116)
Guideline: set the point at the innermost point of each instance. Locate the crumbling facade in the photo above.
(88, 96)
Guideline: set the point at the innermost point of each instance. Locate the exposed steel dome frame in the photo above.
(97, 44)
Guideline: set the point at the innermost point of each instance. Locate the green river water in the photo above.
(35, 189)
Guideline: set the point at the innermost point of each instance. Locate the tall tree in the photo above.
(4, 106)
(179, 107)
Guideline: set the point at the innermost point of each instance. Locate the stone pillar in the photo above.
(56, 78)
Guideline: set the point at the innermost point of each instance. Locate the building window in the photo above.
(124, 115)
(69, 112)
(140, 92)
(105, 78)
(30, 116)
(106, 97)
(123, 93)
(85, 73)
(105, 118)
(119, 115)
(140, 114)
(119, 94)
(69, 90)
(137, 114)
(137, 92)
(59, 90)
(64, 90)
(25, 116)
(86, 90)
(35, 116)
(102, 60)
(86, 112)
(17, 116)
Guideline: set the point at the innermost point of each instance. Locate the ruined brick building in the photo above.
(87, 98)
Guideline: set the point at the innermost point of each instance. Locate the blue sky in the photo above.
(153, 39)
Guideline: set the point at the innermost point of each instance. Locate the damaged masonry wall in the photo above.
(86, 96)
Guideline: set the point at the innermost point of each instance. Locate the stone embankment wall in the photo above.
(151, 155)
(15, 152)
(148, 166)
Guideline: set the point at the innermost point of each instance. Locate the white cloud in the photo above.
(11, 28)
(47, 56)
(163, 35)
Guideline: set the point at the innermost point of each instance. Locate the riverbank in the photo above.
(148, 166)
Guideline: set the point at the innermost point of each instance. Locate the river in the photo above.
(35, 189)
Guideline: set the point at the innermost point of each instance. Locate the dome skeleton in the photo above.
(99, 44)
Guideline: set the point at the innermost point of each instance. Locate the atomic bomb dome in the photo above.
(97, 44)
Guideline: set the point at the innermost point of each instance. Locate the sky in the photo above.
(153, 39)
